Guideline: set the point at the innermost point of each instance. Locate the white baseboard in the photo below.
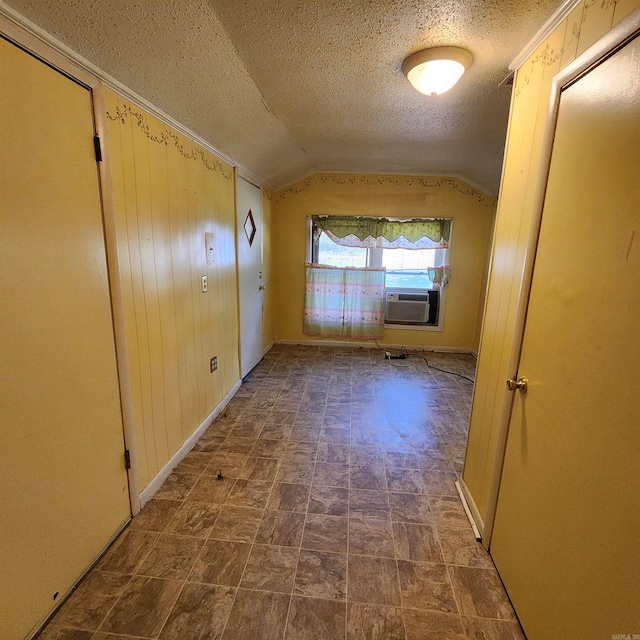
(372, 345)
(470, 509)
(150, 490)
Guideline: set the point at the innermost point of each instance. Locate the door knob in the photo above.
(521, 384)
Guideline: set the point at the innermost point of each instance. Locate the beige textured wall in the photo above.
(168, 193)
(396, 196)
(588, 22)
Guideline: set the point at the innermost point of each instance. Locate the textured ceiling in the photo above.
(288, 87)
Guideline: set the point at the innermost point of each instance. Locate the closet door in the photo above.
(566, 532)
(63, 483)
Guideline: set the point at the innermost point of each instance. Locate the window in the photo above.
(408, 270)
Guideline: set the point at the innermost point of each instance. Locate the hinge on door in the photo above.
(98, 148)
(127, 459)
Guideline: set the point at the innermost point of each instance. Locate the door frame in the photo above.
(614, 40)
(30, 38)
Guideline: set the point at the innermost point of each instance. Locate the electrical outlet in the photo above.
(213, 363)
(205, 284)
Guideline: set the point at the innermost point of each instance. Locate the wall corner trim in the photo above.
(151, 489)
(545, 31)
(470, 509)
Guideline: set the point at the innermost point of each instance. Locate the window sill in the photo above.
(412, 327)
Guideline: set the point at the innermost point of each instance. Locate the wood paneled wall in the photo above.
(168, 192)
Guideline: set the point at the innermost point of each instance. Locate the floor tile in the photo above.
(460, 547)
(221, 562)
(325, 533)
(369, 504)
(371, 537)
(239, 524)
(448, 511)
(480, 593)
(270, 569)
(194, 462)
(440, 483)
(209, 489)
(416, 542)
(334, 453)
(282, 528)
(483, 629)
(368, 477)
(431, 625)
(373, 581)
(200, 613)
(405, 480)
(65, 633)
(171, 557)
(142, 608)
(426, 585)
(374, 622)
(128, 552)
(289, 497)
(314, 619)
(249, 493)
(155, 516)
(227, 463)
(87, 607)
(331, 475)
(321, 575)
(409, 507)
(194, 519)
(269, 447)
(259, 468)
(332, 501)
(294, 472)
(257, 615)
(177, 486)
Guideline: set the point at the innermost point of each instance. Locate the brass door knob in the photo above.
(521, 384)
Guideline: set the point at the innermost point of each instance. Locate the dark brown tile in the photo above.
(321, 575)
(405, 480)
(371, 537)
(425, 585)
(63, 633)
(374, 622)
(259, 469)
(200, 613)
(249, 493)
(480, 593)
(431, 625)
(194, 519)
(155, 516)
(171, 557)
(289, 497)
(325, 533)
(270, 569)
(283, 528)
(236, 523)
(369, 504)
(483, 629)
(368, 477)
(448, 511)
(221, 562)
(269, 448)
(210, 489)
(331, 475)
(312, 618)
(91, 601)
(373, 581)
(275, 432)
(409, 507)
(257, 614)
(194, 462)
(295, 472)
(247, 429)
(177, 486)
(227, 463)
(332, 501)
(460, 547)
(142, 608)
(416, 542)
(234, 444)
(128, 551)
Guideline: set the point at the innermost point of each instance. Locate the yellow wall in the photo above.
(397, 196)
(168, 193)
(589, 21)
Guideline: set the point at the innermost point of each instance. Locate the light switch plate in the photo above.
(205, 285)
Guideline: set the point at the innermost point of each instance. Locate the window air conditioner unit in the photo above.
(406, 308)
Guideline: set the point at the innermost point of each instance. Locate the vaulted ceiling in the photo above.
(288, 87)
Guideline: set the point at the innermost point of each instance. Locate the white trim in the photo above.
(616, 38)
(465, 505)
(32, 37)
(545, 31)
(59, 602)
(372, 345)
(151, 489)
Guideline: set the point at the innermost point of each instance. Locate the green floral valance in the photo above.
(367, 232)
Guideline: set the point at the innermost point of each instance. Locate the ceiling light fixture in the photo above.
(434, 71)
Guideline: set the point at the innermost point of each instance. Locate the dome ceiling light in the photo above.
(434, 71)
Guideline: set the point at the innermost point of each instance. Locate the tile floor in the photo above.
(337, 517)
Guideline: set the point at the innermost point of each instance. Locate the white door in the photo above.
(567, 532)
(250, 280)
(63, 483)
